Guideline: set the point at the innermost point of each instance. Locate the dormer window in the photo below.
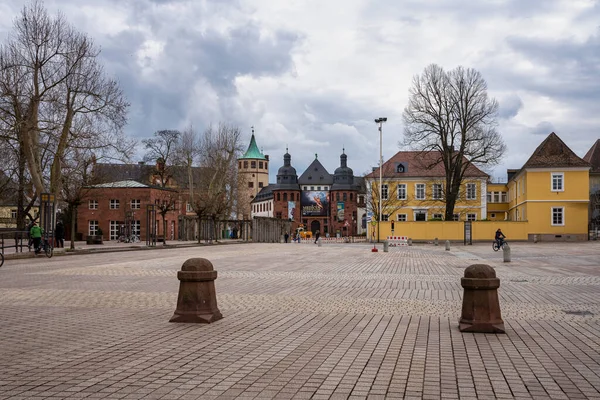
(400, 168)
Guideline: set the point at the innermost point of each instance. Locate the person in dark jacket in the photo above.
(499, 237)
(317, 236)
(59, 234)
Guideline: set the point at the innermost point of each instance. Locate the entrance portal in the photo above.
(315, 226)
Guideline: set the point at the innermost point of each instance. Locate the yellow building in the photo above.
(551, 192)
(413, 189)
(547, 198)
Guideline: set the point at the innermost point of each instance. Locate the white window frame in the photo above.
(489, 196)
(420, 212)
(401, 190)
(114, 230)
(437, 216)
(471, 217)
(401, 217)
(135, 204)
(136, 228)
(562, 181)
(114, 204)
(439, 193)
(503, 197)
(93, 204)
(13, 214)
(455, 217)
(419, 186)
(384, 191)
(471, 191)
(385, 217)
(562, 216)
(93, 227)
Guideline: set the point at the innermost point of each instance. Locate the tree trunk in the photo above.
(73, 218)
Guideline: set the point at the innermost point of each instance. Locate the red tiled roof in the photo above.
(593, 156)
(420, 164)
(552, 153)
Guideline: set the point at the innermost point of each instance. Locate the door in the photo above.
(315, 226)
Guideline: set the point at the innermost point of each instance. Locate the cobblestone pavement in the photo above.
(301, 322)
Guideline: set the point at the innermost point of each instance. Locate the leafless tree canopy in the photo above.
(162, 150)
(450, 113)
(54, 95)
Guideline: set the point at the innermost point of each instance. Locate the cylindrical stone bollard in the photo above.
(385, 246)
(435, 241)
(506, 252)
(481, 308)
(197, 299)
(319, 242)
(409, 241)
(535, 238)
(447, 245)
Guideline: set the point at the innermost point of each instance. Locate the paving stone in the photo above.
(301, 322)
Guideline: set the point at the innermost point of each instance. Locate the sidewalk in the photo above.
(301, 322)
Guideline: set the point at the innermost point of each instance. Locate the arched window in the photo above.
(245, 164)
(278, 196)
(350, 196)
(285, 197)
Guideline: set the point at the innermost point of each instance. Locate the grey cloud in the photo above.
(543, 128)
(510, 106)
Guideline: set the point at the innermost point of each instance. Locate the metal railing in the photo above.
(14, 239)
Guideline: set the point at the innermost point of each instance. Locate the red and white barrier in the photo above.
(397, 241)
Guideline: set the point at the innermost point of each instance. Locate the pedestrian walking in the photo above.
(286, 237)
(317, 236)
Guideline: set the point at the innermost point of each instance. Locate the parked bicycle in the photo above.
(496, 246)
(128, 239)
(1, 259)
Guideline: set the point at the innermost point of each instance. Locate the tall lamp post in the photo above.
(380, 121)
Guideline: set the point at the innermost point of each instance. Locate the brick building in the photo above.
(317, 200)
(112, 206)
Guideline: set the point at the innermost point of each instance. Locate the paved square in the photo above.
(301, 322)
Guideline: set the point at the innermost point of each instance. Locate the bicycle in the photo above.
(47, 247)
(1, 259)
(497, 246)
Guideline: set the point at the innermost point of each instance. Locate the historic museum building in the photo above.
(316, 201)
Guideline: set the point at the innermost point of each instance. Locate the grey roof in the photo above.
(266, 193)
(121, 184)
(143, 173)
(287, 179)
(316, 174)
(343, 177)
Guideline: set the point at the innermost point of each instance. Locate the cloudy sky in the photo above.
(314, 74)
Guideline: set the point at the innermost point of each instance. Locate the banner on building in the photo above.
(291, 210)
(340, 211)
(314, 203)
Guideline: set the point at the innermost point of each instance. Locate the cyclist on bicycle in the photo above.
(499, 237)
(36, 235)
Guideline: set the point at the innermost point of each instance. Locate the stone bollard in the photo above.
(435, 241)
(535, 238)
(197, 299)
(319, 242)
(480, 308)
(447, 245)
(385, 246)
(506, 252)
(409, 241)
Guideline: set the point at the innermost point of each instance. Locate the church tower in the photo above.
(253, 172)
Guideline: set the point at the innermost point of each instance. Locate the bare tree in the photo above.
(166, 202)
(391, 201)
(52, 81)
(451, 114)
(215, 195)
(162, 149)
(187, 153)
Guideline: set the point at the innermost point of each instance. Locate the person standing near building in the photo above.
(317, 236)
(36, 235)
(286, 237)
(59, 233)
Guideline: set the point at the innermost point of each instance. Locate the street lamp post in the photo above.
(380, 121)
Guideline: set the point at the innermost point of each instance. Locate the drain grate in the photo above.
(581, 313)
(519, 280)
